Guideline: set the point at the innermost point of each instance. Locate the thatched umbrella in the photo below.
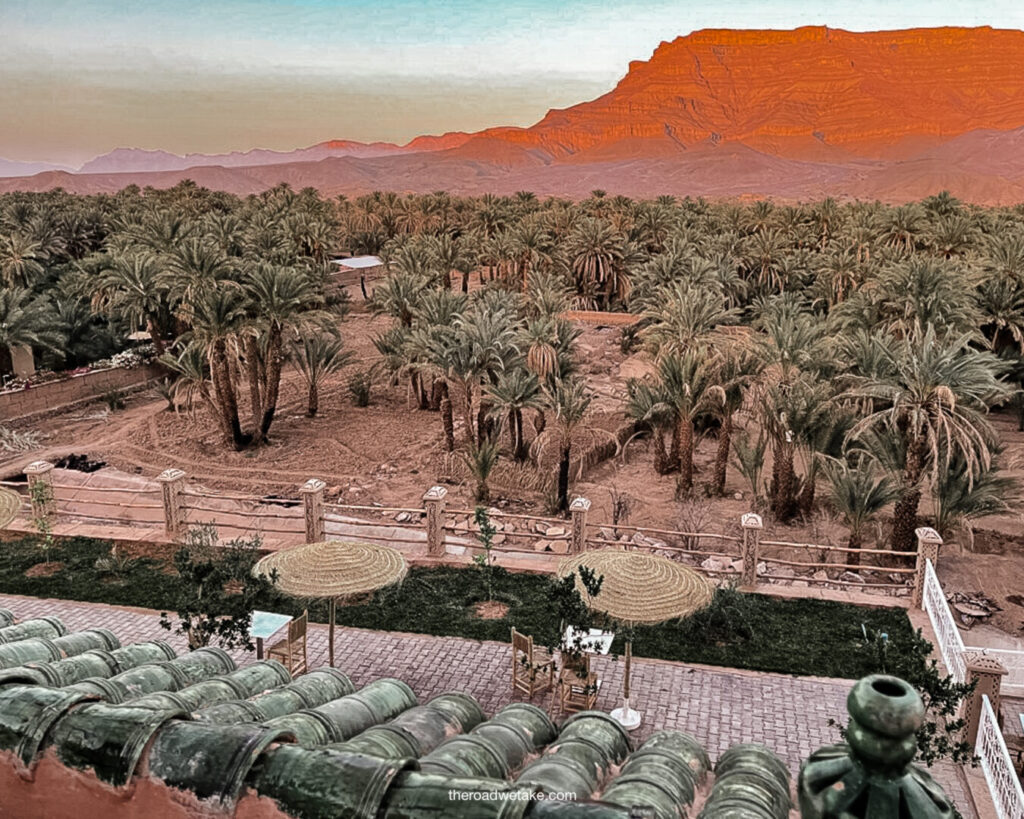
(334, 569)
(638, 589)
(10, 505)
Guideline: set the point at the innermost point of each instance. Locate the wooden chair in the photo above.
(292, 650)
(530, 666)
(577, 684)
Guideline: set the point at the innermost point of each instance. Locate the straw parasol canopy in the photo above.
(10, 505)
(333, 569)
(639, 587)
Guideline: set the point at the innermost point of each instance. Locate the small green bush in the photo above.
(359, 388)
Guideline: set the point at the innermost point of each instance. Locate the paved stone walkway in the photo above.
(720, 707)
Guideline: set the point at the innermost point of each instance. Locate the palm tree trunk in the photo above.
(854, 542)
(685, 427)
(521, 450)
(467, 415)
(662, 464)
(224, 391)
(539, 422)
(806, 500)
(313, 404)
(154, 334)
(437, 392)
(673, 452)
(563, 480)
(904, 513)
(784, 482)
(252, 369)
(273, 383)
(448, 424)
(722, 455)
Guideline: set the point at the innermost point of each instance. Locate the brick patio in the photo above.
(720, 707)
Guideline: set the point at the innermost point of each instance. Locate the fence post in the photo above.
(987, 675)
(40, 489)
(928, 543)
(752, 526)
(433, 501)
(312, 492)
(579, 509)
(172, 481)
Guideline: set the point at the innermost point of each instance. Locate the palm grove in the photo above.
(837, 354)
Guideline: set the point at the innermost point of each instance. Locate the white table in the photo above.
(592, 641)
(266, 624)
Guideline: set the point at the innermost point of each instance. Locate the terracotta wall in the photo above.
(71, 390)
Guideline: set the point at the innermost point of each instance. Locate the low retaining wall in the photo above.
(57, 394)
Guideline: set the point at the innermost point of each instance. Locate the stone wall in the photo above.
(84, 387)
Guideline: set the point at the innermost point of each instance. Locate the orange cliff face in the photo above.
(809, 93)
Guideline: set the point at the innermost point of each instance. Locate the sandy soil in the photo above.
(390, 453)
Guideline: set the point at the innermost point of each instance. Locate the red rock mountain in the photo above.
(796, 92)
(792, 114)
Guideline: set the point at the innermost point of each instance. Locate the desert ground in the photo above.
(389, 453)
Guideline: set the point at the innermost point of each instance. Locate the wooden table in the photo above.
(266, 624)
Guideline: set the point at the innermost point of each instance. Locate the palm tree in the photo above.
(646, 405)
(26, 321)
(317, 356)
(682, 317)
(859, 497)
(282, 299)
(517, 389)
(567, 402)
(216, 316)
(958, 500)
(690, 386)
(136, 289)
(596, 253)
(480, 459)
(933, 398)
(21, 259)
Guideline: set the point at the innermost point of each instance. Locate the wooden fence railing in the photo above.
(440, 530)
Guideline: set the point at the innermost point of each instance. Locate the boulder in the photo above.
(555, 531)
(403, 517)
(715, 564)
(851, 577)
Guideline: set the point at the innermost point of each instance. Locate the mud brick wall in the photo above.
(71, 390)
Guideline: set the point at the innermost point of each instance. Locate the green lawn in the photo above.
(804, 637)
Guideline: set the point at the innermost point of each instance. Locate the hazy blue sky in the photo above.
(79, 77)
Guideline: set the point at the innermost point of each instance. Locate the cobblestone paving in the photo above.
(720, 707)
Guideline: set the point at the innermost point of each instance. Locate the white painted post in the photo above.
(928, 543)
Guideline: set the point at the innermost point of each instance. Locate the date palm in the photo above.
(136, 289)
(26, 321)
(517, 389)
(934, 398)
(318, 355)
(21, 259)
(690, 386)
(859, 496)
(683, 316)
(567, 403)
(282, 300)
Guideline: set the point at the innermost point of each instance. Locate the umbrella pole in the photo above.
(626, 716)
(629, 657)
(331, 612)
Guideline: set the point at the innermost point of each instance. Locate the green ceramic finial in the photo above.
(871, 777)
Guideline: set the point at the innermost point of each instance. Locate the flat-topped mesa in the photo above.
(793, 92)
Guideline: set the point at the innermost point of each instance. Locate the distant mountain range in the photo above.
(790, 114)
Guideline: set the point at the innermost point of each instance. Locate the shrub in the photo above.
(359, 388)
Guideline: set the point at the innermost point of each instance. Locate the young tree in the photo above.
(317, 356)
(216, 591)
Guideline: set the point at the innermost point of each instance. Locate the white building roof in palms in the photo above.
(358, 262)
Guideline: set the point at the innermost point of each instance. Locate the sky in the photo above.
(81, 77)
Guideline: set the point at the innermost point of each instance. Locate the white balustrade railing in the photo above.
(1013, 661)
(951, 647)
(1003, 785)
